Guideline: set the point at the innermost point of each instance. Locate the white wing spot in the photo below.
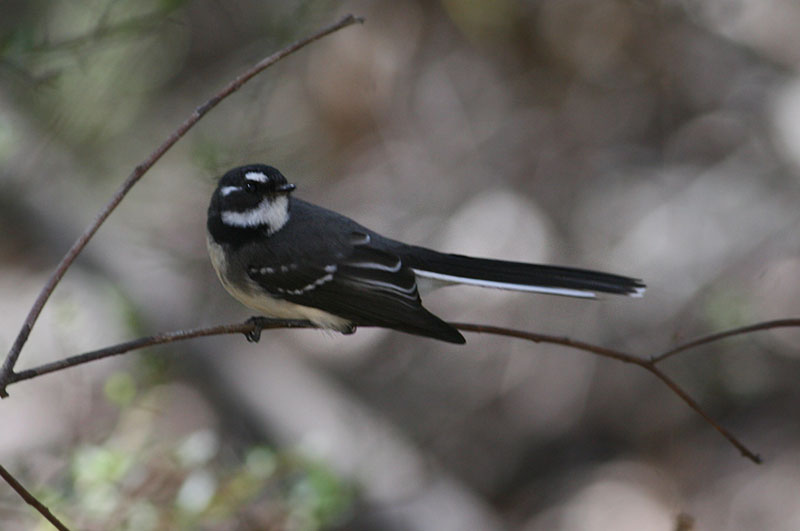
(360, 239)
(331, 268)
(284, 269)
(322, 280)
(309, 287)
(391, 287)
(394, 268)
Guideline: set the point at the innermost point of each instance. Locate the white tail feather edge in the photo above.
(442, 280)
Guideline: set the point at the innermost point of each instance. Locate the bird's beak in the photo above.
(285, 188)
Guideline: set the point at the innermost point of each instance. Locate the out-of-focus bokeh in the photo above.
(652, 139)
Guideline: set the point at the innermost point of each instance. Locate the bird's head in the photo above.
(251, 197)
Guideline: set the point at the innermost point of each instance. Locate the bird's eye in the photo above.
(251, 187)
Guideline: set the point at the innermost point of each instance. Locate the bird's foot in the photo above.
(258, 322)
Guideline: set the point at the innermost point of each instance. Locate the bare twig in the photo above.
(647, 364)
(543, 338)
(249, 327)
(766, 325)
(31, 500)
(8, 366)
(157, 339)
(669, 382)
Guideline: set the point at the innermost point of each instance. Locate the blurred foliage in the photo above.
(138, 480)
(90, 56)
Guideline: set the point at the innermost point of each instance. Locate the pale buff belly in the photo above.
(253, 297)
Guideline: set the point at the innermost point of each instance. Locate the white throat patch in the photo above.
(270, 213)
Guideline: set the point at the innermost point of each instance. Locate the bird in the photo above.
(289, 259)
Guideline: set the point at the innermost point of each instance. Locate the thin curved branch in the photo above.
(31, 500)
(252, 328)
(137, 173)
(766, 325)
(669, 382)
(647, 364)
(247, 327)
(544, 338)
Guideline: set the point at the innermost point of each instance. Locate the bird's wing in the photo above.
(365, 285)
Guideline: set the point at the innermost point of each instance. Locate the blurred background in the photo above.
(652, 139)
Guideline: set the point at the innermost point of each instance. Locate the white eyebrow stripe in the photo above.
(227, 190)
(256, 176)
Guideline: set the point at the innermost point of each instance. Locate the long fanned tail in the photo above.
(518, 276)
